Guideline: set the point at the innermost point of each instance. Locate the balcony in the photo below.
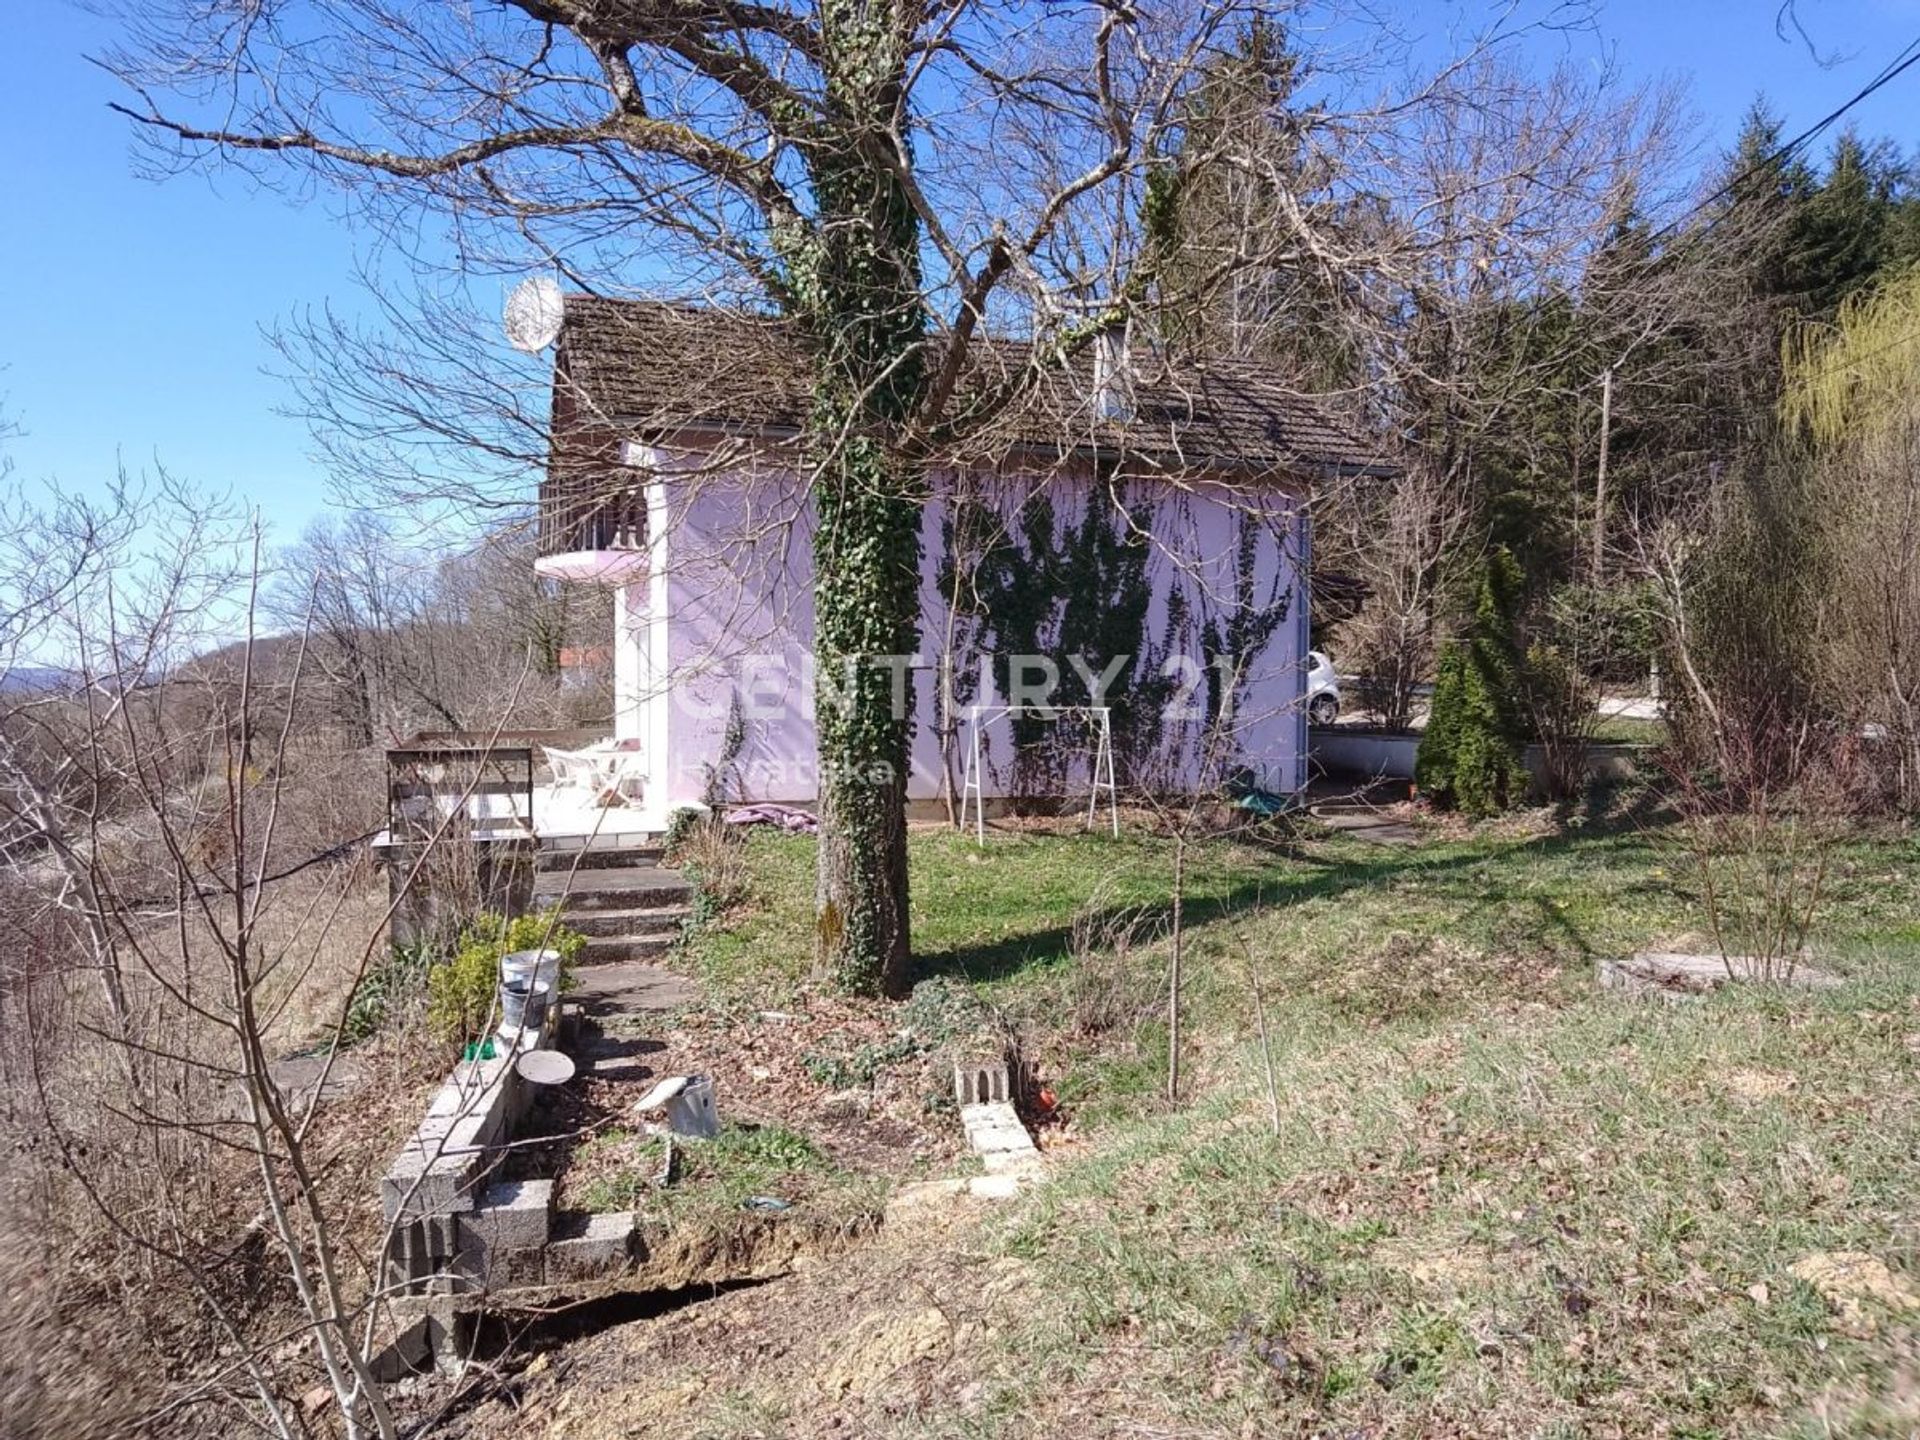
(596, 535)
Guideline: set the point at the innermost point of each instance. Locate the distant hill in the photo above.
(34, 680)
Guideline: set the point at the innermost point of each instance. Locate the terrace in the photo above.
(552, 786)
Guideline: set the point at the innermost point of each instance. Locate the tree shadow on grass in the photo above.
(1308, 877)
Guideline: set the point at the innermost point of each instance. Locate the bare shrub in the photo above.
(1562, 710)
(1107, 989)
(1396, 537)
(712, 856)
(1759, 849)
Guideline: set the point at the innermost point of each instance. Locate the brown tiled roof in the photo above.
(663, 369)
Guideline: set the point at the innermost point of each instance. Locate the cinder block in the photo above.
(604, 1247)
(486, 1268)
(445, 1186)
(982, 1083)
(410, 1352)
(511, 1215)
(995, 1134)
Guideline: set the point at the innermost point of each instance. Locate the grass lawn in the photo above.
(1495, 1201)
(1629, 730)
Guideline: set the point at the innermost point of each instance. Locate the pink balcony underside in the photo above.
(594, 567)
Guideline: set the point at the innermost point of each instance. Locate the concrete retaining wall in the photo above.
(1354, 754)
(460, 1229)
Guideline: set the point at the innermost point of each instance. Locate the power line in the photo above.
(1893, 69)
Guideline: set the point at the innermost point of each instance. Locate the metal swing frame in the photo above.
(1099, 719)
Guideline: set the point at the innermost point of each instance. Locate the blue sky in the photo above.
(133, 309)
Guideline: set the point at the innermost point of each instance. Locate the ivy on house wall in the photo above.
(1235, 640)
(1034, 578)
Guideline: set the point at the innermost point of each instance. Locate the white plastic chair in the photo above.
(572, 769)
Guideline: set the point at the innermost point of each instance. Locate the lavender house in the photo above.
(1131, 532)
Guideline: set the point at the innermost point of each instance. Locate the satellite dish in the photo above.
(534, 312)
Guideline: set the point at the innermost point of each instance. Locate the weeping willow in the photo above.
(1856, 374)
(1851, 406)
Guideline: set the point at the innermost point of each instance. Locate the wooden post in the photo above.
(1600, 483)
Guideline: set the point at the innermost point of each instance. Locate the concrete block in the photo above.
(409, 1353)
(982, 1083)
(603, 1246)
(484, 1268)
(1659, 975)
(440, 1189)
(450, 1336)
(442, 1186)
(995, 1134)
(511, 1215)
(926, 1192)
(1003, 1187)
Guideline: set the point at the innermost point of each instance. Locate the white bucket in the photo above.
(537, 968)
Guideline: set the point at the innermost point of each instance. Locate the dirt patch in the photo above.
(1439, 1263)
(1859, 1287)
(748, 1248)
(879, 1345)
(888, 1328)
(1755, 1087)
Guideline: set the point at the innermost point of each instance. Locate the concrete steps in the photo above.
(598, 853)
(616, 949)
(642, 889)
(639, 921)
(619, 896)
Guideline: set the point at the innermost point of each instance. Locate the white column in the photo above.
(654, 651)
(629, 661)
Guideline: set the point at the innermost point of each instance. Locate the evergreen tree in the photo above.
(1767, 196)
(1470, 756)
(1285, 309)
(1840, 238)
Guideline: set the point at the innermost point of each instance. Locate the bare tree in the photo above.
(145, 785)
(403, 639)
(894, 179)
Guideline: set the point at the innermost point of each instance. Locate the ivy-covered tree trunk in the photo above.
(856, 291)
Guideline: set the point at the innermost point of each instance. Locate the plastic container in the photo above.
(540, 966)
(523, 1006)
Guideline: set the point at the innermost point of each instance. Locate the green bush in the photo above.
(461, 991)
(1470, 756)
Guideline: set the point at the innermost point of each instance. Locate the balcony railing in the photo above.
(572, 523)
(428, 782)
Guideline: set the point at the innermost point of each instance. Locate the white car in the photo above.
(1323, 689)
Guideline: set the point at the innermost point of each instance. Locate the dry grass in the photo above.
(133, 1210)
